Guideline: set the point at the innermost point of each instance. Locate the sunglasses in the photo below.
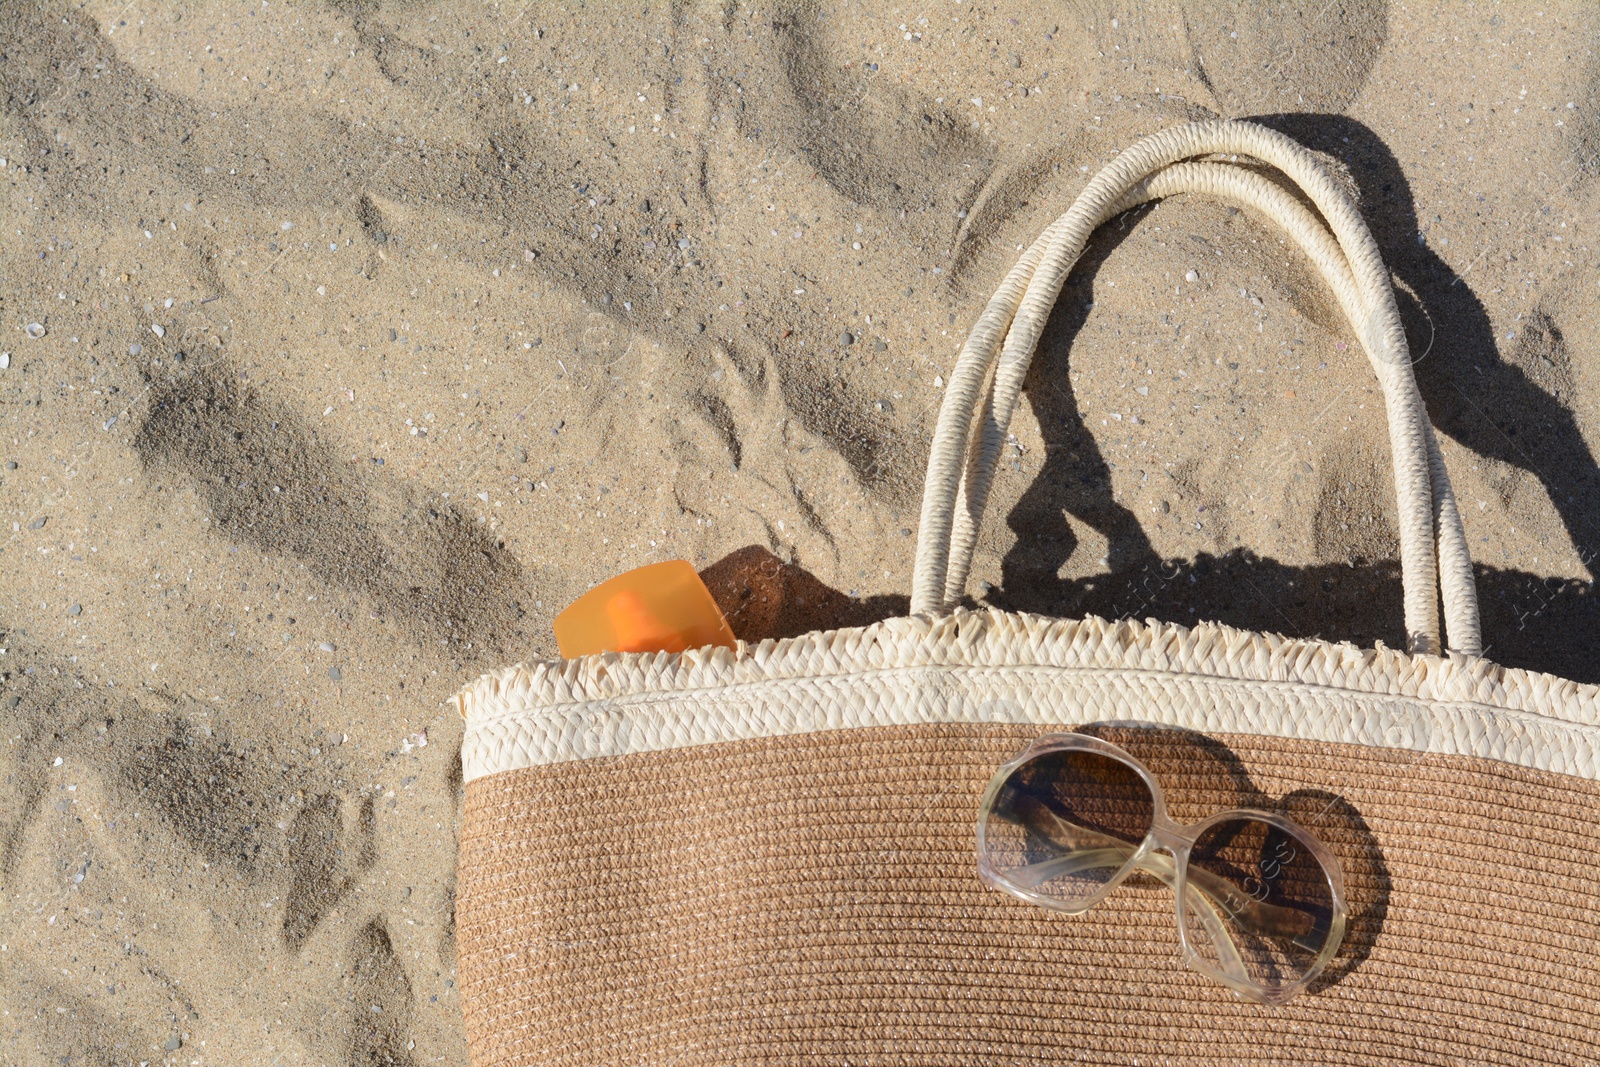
(1260, 902)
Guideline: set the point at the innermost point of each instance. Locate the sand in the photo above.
(375, 333)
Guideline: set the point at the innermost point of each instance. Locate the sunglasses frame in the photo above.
(1178, 840)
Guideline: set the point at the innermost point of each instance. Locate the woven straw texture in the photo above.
(767, 855)
(812, 899)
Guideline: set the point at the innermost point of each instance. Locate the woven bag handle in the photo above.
(1248, 187)
(988, 376)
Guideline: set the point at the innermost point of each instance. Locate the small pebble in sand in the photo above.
(135, 349)
(326, 646)
(5, 360)
(1191, 277)
(158, 329)
(333, 672)
(38, 524)
(847, 339)
(36, 330)
(76, 609)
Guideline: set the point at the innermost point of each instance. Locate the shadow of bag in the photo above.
(767, 854)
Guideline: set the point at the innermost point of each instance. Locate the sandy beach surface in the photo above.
(345, 343)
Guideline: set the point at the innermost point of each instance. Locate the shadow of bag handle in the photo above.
(987, 380)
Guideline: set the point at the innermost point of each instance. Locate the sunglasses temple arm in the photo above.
(1203, 906)
(1202, 898)
(1228, 959)
(1259, 917)
(1032, 875)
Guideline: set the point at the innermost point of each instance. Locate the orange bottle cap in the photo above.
(664, 607)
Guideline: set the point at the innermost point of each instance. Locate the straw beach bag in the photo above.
(768, 854)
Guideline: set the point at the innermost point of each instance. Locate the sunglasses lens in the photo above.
(1064, 823)
(1259, 905)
